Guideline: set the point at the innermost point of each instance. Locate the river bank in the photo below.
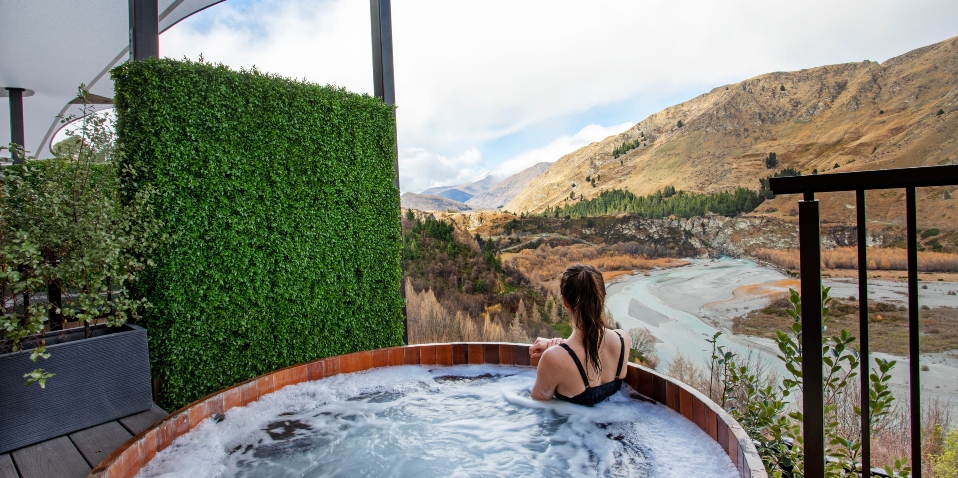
(684, 306)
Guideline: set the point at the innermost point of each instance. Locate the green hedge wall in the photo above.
(280, 199)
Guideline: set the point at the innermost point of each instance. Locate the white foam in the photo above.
(414, 421)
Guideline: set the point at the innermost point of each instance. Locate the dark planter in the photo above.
(97, 380)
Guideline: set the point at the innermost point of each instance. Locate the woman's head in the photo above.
(583, 290)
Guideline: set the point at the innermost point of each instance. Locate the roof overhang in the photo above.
(54, 46)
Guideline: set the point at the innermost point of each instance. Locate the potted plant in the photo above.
(68, 252)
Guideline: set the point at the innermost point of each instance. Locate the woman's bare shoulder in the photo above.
(625, 337)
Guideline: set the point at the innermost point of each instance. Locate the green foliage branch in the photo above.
(63, 227)
(774, 423)
(282, 198)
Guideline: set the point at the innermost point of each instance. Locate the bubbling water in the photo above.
(475, 420)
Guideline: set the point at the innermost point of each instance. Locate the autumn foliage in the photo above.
(545, 265)
(878, 259)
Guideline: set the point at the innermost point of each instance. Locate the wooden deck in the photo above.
(74, 455)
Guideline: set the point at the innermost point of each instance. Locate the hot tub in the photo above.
(639, 422)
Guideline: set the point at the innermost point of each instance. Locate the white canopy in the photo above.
(50, 47)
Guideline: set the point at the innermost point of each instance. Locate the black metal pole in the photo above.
(913, 330)
(384, 84)
(16, 122)
(384, 87)
(863, 331)
(813, 399)
(144, 29)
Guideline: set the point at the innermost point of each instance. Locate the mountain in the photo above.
(431, 203)
(503, 191)
(463, 192)
(847, 117)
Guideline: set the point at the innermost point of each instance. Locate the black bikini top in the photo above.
(592, 395)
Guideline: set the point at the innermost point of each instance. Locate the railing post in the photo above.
(863, 331)
(813, 400)
(913, 330)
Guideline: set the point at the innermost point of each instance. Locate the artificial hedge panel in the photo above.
(280, 200)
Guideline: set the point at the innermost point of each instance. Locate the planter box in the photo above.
(97, 380)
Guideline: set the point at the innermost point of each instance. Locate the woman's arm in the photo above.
(547, 376)
(541, 345)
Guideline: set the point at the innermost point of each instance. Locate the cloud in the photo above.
(558, 147)
(326, 41)
(420, 169)
(469, 74)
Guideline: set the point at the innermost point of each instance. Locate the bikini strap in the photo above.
(585, 379)
(618, 370)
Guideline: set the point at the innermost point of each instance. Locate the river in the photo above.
(684, 306)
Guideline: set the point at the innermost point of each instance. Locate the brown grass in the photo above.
(878, 259)
(545, 265)
(887, 325)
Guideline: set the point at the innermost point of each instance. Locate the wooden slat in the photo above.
(143, 420)
(7, 469)
(57, 458)
(96, 443)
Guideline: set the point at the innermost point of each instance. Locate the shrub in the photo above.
(679, 124)
(782, 88)
(940, 112)
(765, 411)
(946, 463)
(624, 148)
(282, 199)
(63, 231)
(771, 161)
(643, 346)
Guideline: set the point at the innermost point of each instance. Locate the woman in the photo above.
(589, 366)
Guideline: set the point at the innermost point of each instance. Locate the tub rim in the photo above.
(129, 458)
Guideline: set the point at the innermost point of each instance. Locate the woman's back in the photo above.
(560, 377)
(611, 354)
(587, 368)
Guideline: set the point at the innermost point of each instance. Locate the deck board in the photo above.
(7, 470)
(96, 443)
(55, 458)
(143, 420)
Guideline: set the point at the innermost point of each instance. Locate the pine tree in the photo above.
(521, 314)
(553, 310)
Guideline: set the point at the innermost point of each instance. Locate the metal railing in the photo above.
(811, 284)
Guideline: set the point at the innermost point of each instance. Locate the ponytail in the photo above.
(583, 288)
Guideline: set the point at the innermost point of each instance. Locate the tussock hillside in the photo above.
(835, 118)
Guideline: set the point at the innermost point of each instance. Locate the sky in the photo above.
(495, 86)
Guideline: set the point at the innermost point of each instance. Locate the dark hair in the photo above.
(583, 288)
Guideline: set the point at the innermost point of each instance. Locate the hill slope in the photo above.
(846, 117)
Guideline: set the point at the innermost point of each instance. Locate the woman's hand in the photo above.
(541, 344)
